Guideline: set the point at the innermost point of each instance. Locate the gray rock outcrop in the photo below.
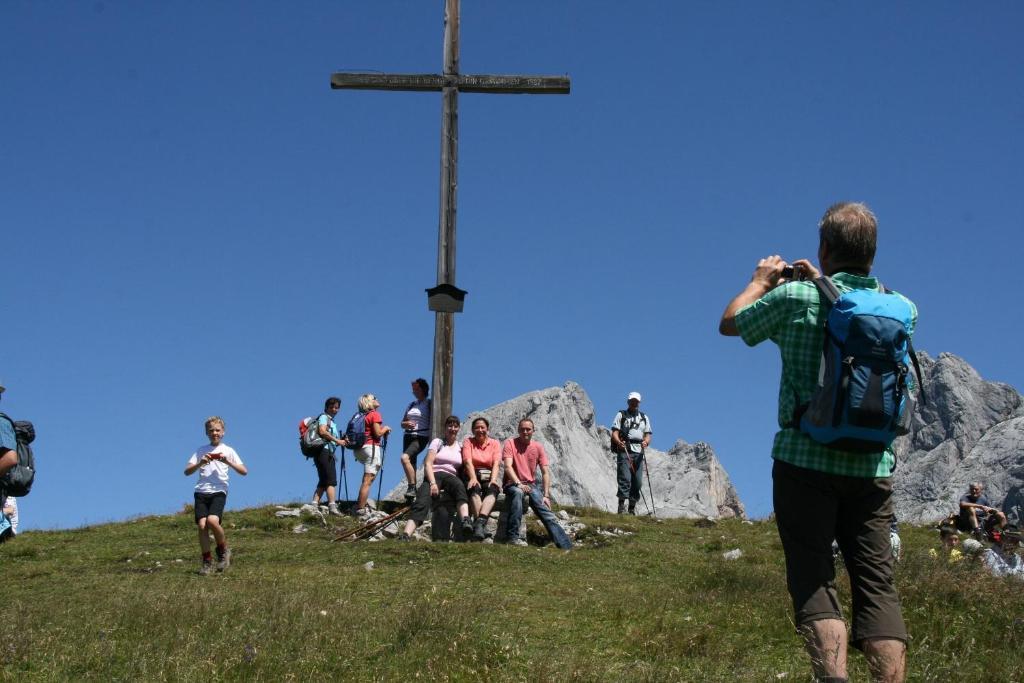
(688, 480)
(970, 430)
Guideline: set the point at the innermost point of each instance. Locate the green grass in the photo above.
(113, 602)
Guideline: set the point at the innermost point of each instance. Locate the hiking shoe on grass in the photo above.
(205, 568)
(480, 529)
(518, 542)
(622, 506)
(224, 561)
(332, 509)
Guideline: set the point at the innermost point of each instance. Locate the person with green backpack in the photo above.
(844, 396)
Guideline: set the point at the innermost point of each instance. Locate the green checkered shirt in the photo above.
(792, 316)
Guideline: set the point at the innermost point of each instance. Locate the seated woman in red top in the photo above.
(481, 459)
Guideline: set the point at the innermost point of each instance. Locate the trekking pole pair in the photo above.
(370, 528)
(632, 468)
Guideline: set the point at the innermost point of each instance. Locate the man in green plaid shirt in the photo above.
(820, 493)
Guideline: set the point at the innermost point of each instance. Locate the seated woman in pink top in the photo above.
(481, 459)
(440, 473)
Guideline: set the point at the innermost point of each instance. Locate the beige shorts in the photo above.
(371, 457)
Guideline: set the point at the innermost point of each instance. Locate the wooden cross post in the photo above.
(449, 84)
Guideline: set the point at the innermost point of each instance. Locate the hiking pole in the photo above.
(344, 474)
(650, 489)
(354, 533)
(632, 468)
(383, 452)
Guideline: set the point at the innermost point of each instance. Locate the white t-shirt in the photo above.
(213, 477)
(634, 426)
(419, 412)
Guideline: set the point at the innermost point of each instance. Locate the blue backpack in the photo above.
(355, 432)
(862, 400)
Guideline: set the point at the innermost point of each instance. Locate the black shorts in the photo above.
(812, 508)
(210, 505)
(326, 472)
(484, 488)
(413, 445)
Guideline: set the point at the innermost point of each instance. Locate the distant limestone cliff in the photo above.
(970, 430)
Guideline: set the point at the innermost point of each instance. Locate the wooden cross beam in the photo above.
(449, 83)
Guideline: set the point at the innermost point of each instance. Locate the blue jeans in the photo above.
(514, 500)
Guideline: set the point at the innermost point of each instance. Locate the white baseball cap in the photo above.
(632, 395)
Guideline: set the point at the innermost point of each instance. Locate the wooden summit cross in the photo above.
(449, 83)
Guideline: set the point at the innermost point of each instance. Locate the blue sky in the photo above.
(194, 223)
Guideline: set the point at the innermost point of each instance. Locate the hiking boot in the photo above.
(480, 529)
(410, 492)
(622, 506)
(467, 527)
(224, 561)
(632, 508)
(518, 542)
(206, 567)
(332, 509)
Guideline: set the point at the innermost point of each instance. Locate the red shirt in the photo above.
(488, 457)
(525, 458)
(371, 417)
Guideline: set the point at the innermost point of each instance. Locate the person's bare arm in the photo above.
(767, 276)
(8, 459)
(545, 473)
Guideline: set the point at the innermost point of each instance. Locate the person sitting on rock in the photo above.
(440, 473)
(950, 545)
(481, 460)
(974, 509)
(522, 455)
(1002, 559)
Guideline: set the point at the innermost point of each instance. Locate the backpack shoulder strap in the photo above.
(913, 358)
(827, 288)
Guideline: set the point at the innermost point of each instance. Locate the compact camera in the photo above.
(794, 273)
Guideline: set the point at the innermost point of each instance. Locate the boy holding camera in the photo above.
(213, 461)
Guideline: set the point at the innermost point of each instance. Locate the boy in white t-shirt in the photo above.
(213, 461)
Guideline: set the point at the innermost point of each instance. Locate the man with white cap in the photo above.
(631, 434)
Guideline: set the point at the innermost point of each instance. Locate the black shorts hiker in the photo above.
(413, 445)
(326, 472)
(812, 508)
(210, 504)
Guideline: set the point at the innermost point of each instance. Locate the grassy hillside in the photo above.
(124, 602)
